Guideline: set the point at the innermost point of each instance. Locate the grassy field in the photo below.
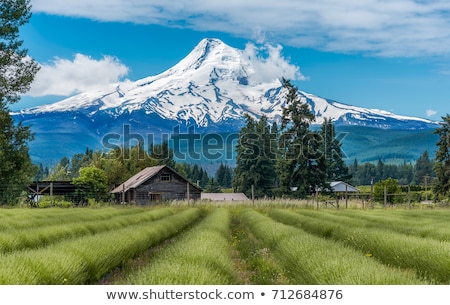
(232, 244)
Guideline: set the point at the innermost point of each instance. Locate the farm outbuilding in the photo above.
(156, 184)
(224, 196)
(342, 187)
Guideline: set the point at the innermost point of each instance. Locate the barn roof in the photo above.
(340, 186)
(143, 176)
(224, 196)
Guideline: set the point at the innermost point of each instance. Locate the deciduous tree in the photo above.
(17, 71)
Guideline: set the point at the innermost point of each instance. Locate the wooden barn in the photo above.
(156, 184)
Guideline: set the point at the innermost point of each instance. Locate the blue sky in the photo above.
(391, 55)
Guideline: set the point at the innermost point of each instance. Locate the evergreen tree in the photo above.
(353, 171)
(195, 174)
(220, 173)
(224, 175)
(17, 71)
(406, 173)
(336, 169)
(255, 161)
(212, 186)
(163, 154)
(204, 179)
(442, 159)
(301, 166)
(423, 168)
(227, 177)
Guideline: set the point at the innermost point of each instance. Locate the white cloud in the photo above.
(66, 77)
(377, 27)
(269, 64)
(431, 112)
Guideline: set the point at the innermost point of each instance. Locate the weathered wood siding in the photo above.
(158, 188)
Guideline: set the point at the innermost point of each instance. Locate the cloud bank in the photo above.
(375, 27)
(66, 77)
(431, 112)
(269, 64)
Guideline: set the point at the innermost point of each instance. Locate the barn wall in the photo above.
(159, 189)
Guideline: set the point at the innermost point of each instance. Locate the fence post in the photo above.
(253, 194)
(51, 193)
(385, 196)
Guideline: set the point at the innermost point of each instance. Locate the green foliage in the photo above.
(71, 225)
(194, 173)
(17, 72)
(391, 186)
(336, 169)
(301, 165)
(321, 261)
(256, 157)
(442, 162)
(57, 201)
(423, 169)
(82, 245)
(93, 183)
(224, 175)
(212, 186)
(428, 258)
(202, 256)
(85, 260)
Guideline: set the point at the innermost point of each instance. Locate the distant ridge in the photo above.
(210, 89)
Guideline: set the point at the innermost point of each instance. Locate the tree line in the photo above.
(291, 159)
(420, 173)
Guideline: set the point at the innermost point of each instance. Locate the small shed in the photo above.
(342, 187)
(156, 184)
(224, 196)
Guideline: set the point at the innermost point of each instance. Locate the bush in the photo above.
(57, 201)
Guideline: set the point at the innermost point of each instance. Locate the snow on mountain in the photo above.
(211, 86)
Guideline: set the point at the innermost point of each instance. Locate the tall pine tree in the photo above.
(255, 160)
(336, 170)
(301, 166)
(442, 160)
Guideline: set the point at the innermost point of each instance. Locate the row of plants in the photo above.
(428, 258)
(35, 237)
(34, 218)
(254, 261)
(435, 226)
(387, 220)
(200, 256)
(86, 259)
(311, 260)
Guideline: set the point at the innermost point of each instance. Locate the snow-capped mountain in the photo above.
(211, 87)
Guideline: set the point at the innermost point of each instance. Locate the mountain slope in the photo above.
(214, 84)
(211, 88)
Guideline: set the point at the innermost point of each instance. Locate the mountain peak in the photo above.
(210, 53)
(213, 85)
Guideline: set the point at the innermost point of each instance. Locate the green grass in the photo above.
(86, 259)
(270, 242)
(200, 256)
(310, 260)
(429, 258)
(66, 227)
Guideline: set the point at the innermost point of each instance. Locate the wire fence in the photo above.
(47, 196)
